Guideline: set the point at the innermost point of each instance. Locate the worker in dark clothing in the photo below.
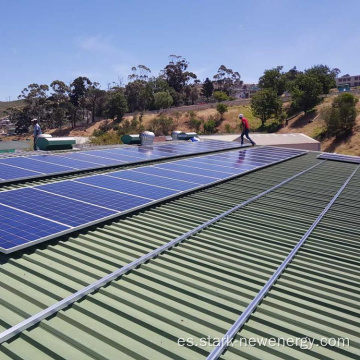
(37, 131)
(245, 129)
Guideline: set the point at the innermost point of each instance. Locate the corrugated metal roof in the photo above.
(197, 289)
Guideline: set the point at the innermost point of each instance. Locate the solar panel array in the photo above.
(21, 168)
(35, 214)
(344, 158)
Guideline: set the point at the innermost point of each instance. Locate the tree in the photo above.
(273, 79)
(226, 79)
(305, 93)
(341, 116)
(116, 106)
(78, 91)
(265, 104)
(324, 76)
(58, 103)
(162, 100)
(140, 73)
(95, 100)
(176, 74)
(207, 89)
(221, 109)
(220, 96)
(35, 98)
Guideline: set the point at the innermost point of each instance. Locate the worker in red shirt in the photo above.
(245, 129)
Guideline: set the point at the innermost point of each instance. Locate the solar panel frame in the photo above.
(339, 157)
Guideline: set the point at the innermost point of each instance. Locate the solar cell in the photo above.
(153, 180)
(192, 170)
(8, 172)
(108, 182)
(18, 228)
(59, 160)
(56, 208)
(199, 164)
(94, 195)
(87, 158)
(168, 173)
(28, 164)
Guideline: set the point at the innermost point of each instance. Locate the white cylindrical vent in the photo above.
(147, 138)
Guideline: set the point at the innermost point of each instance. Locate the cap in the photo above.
(241, 116)
(34, 120)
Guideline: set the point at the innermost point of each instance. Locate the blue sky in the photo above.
(42, 41)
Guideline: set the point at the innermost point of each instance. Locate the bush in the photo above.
(220, 96)
(221, 109)
(319, 133)
(341, 116)
(109, 138)
(210, 126)
(162, 126)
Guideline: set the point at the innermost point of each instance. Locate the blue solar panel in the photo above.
(18, 228)
(92, 160)
(196, 179)
(199, 164)
(56, 208)
(13, 173)
(190, 170)
(130, 156)
(108, 182)
(59, 160)
(29, 164)
(153, 180)
(94, 195)
(107, 155)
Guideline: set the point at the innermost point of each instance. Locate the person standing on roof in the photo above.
(245, 129)
(37, 131)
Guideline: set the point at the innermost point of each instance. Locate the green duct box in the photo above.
(131, 139)
(55, 143)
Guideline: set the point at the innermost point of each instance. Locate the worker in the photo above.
(37, 131)
(245, 129)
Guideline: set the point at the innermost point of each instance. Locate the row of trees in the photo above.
(304, 87)
(84, 101)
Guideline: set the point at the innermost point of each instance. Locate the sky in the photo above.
(42, 41)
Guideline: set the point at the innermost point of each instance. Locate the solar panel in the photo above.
(94, 195)
(18, 228)
(60, 160)
(153, 180)
(65, 211)
(41, 168)
(45, 165)
(337, 157)
(129, 187)
(31, 215)
(168, 173)
(8, 172)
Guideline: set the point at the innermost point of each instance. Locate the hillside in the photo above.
(6, 104)
(312, 125)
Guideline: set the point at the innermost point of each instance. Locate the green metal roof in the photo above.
(199, 288)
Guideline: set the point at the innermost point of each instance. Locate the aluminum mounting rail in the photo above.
(31, 321)
(239, 323)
